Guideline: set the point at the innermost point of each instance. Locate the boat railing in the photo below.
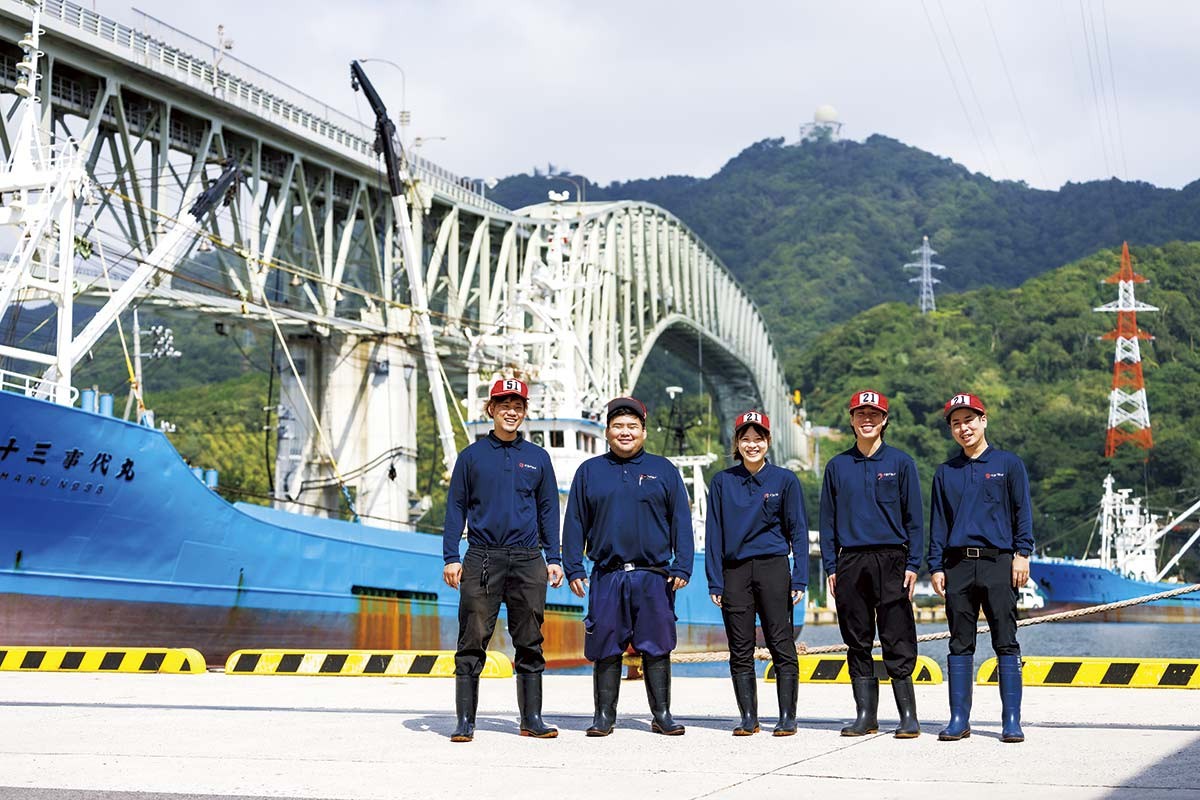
(30, 385)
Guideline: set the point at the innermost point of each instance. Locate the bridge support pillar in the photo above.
(364, 392)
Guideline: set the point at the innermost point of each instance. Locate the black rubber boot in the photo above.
(606, 687)
(657, 675)
(1010, 699)
(529, 701)
(745, 690)
(787, 681)
(466, 701)
(961, 673)
(906, 704)
(866, 703)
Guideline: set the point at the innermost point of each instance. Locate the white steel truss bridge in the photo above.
(308, 241)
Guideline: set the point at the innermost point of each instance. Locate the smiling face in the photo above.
(626, 435)
(868, 423)
(507, 412)
(752, 445)
(968, 429)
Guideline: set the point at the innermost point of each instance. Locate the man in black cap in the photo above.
(628, 511)
(980, 540)
(504, 490)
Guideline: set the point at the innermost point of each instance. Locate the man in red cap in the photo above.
(504, 492)
(980, 540)
(629, 513)
(871, 546)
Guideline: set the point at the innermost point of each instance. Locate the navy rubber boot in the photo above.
(961, 673)
(1010, 699)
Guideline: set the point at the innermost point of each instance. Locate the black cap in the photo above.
(628, 405)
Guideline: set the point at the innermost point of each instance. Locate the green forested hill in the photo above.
(1033, 354)
(818, 232)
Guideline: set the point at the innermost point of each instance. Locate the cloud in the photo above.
(1051, 91)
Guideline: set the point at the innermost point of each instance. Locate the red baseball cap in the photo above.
(504, 387)
(630, 405)
(963, 400)
(751, 418)
(868, 397)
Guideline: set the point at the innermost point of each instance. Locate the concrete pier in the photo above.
(95, 736)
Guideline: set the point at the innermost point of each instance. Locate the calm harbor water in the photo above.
(1124, 639)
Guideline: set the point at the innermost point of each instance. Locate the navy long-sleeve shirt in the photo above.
(506, 495)
(756, 515)
(628, 511)
(869, 501)
(980, 502)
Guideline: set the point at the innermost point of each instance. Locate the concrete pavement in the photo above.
(102, 737)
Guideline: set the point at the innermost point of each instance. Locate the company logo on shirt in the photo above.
(769, 495)
(881, 475)
(644, 477)
(987, 476)
(523, 465)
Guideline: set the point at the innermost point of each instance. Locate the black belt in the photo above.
(630, 567)
(976, 552)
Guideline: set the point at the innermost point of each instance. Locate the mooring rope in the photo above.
(762, 654)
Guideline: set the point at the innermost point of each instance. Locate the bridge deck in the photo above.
(364, 738)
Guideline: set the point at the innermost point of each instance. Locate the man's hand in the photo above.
(831, 582)
(1020, 574)
(452, 574)
(938, 579)
(678, 583)
(579, 586)
(716, 599)
(554, 575)
(796, 595)
(910, 582)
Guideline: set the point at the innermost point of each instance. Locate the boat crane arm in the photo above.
(1167, 529)
(398, 179)
(166, 255)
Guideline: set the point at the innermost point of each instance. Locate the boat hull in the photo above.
(134, 550)
(1069, 585)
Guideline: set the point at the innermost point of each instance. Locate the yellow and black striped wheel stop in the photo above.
(101, 659)
(365, 663)
(1137, 673)
(832, 669)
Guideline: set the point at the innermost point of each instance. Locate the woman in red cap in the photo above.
(756, 518)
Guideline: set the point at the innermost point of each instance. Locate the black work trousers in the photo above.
(984, 582)
(869, 590)
(762, 586)
(515, 576)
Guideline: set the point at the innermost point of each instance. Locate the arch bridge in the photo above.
(307, 245)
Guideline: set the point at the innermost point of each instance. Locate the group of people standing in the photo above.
(628, 512)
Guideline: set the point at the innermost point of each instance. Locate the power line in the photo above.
(954, 84)
(987, 129)
(1013, 91)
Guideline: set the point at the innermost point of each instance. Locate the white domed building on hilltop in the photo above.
(825, 127)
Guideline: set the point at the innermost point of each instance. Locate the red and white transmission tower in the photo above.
(1128, 412)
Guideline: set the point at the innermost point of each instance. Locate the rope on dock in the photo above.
(762, 654)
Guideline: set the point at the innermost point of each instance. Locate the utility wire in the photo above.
(987, 129)
(954, 85)
(1013, 91)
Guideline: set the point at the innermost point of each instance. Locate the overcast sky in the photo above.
(1045, 91)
